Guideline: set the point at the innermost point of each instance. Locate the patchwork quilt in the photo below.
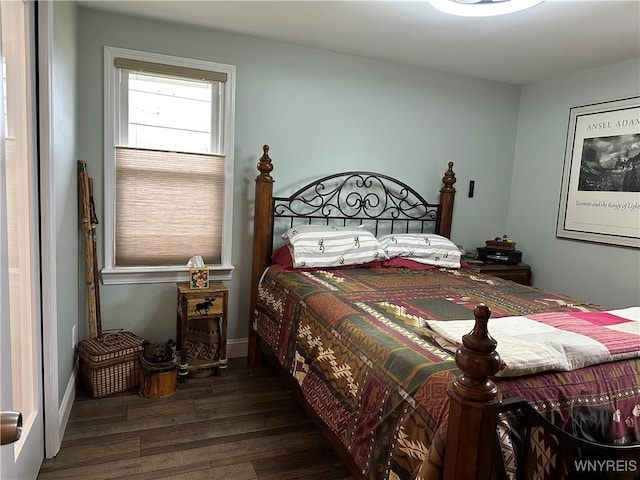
(553, 341)
(358, 343)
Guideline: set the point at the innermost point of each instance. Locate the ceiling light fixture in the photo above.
(483, 8)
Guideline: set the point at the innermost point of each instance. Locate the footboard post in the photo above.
(474, 399)
(262, 242)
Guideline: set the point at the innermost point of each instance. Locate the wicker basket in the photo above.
(110, 363)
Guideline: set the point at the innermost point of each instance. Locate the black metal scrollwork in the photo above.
(359, 197)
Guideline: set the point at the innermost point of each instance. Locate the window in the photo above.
(168, 166)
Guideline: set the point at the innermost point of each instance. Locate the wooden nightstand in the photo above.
(519, 272)
(201, 326)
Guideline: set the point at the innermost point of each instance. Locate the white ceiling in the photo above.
(553, 38)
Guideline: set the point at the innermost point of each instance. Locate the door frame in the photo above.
(56, 412)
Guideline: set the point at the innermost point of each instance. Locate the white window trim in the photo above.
(128, 275)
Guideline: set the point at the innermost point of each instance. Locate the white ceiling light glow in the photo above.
(483, 8)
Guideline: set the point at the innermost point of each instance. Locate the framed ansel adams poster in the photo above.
(600, 196)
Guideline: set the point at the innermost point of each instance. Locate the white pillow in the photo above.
(426, 248)
(317, 246)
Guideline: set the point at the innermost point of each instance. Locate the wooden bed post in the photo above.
(473, 402)
(262, 240)
(447, 195)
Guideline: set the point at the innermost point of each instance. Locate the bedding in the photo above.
(282, 257)
(553, 341)
(358, 343)
(321, 246)
(427, 248)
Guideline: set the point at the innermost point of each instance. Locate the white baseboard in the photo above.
(237, 347)
(67, 401)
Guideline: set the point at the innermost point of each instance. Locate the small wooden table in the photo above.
(208, 307)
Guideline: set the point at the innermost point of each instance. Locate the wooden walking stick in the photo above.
(89, 255)
(96, 271)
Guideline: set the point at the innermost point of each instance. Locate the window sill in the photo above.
(133, 275)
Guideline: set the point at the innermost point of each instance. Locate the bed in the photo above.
(400, 400)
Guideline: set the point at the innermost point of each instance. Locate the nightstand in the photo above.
(518, 272)
(201, 326)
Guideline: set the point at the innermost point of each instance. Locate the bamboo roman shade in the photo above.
(169, 207)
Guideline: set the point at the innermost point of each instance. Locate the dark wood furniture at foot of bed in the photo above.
(376, 381)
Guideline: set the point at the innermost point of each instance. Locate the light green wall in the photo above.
(68, 288)
(603, 274)
(320, 112)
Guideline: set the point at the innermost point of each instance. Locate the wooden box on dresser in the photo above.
(518, 272)
(202, 329)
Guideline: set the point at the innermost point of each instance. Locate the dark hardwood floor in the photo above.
(244, 426)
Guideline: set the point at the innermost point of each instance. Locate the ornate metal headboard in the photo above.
(376, 201)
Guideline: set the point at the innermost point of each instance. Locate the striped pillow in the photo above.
(318, 246)
(427, 248)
